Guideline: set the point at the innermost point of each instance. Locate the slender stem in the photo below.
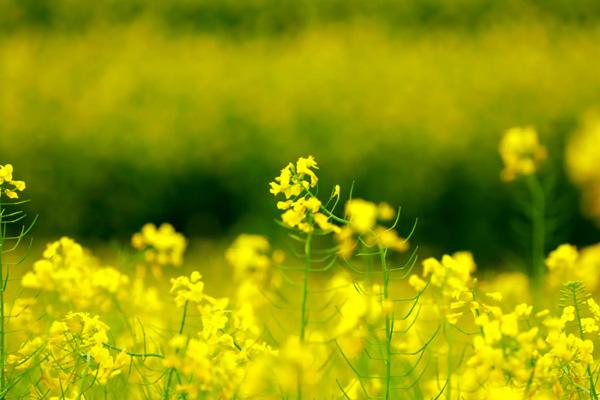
(172, 370)
(304, 305)
(449, 365)
(131, 354)
(388, 323)
(2, 328)
(581, 334)
(538, 229)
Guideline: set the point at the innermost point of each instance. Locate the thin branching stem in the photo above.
(582, 335)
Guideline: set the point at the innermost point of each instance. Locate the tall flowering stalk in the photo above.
(521, 153)
(306, 216)
(376, 243)
(9, 242)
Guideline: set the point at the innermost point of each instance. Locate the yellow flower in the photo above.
(301, 212)
(6, 178)
(284, 184)
(496, 296)
(594, 308)
(323, 221)
(417, 283)
(563, 258)
(303, 167)
(521, 152)
(385, 212)
(188, 289)
(336, 191)
(523, 310)
(389, 239)
(6, 173)
(291, 181)
(589, 325)
(362, 215)
(162, 246)
(568, 314)
(248, 256)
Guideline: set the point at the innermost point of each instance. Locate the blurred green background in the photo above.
(122, 112)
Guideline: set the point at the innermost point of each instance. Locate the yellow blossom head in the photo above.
(8, 185)
(292, 180)
(521, 152)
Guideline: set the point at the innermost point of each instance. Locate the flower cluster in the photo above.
(71, 273)
(367, 326)
(451, 284)
(8, 185)
(73, 350)
(567, 263)
(162, 246)
(504, 353)
(214, 359)
(362, 224)
(248, 256)
(252, 260)
(301, 208)
(521, 152)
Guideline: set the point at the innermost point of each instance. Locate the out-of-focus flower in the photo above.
(521, 152)
(582, 157)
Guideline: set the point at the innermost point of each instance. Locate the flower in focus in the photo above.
(8, 185)
(292, 179)
(301, 209)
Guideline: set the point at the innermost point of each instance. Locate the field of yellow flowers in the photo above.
(347, 311)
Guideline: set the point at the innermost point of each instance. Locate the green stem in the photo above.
(172, 370)
(388, 323)
(2, 333)
(581, 334)
(449, 366)
(304, 304)
(538, 231)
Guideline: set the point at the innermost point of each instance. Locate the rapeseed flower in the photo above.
(301, 209)
(521, 152)
(8, 185)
